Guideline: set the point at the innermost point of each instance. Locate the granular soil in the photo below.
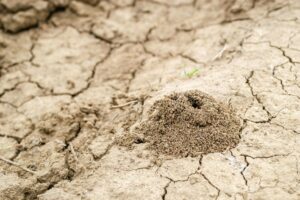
(189, 124)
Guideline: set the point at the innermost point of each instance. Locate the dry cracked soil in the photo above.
(75, 76)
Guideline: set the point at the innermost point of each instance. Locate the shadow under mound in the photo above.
(188, 124)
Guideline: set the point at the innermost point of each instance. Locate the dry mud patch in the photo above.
(78, 75)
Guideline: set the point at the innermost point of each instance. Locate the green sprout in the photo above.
(191, 73)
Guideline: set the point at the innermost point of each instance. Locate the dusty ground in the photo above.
(76, 75)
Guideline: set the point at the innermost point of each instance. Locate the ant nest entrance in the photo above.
(188, 124)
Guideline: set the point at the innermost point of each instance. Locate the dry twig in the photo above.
(17, 165)
(125, 104)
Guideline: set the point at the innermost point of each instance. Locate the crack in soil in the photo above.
(248, 82)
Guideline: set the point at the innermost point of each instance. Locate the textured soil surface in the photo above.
(77, 75)
(187, 124)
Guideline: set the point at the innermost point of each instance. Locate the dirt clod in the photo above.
(189, 124)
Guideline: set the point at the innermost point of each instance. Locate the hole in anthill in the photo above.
(139, 141)
(194, 102)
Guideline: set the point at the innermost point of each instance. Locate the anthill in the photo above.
(188, 124)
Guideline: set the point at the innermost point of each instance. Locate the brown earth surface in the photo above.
(77, 75)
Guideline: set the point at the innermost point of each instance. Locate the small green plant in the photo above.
(191, 73)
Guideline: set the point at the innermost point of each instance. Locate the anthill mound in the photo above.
(189, 124)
